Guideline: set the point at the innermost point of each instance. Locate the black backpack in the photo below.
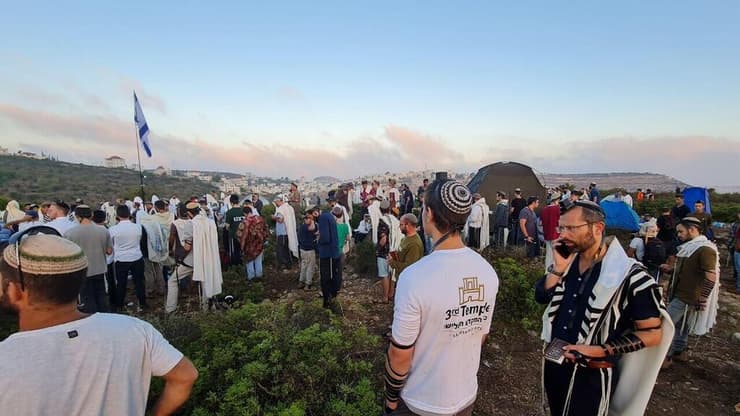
(655, 252)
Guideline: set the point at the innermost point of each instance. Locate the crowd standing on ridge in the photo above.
(64, 269)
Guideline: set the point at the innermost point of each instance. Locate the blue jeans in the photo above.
(736, 257)
(682, 316)
(254, 267)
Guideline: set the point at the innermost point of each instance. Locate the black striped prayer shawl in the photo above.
(605, 306)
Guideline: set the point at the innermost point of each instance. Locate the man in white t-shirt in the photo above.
(65, 362)
(442, 315)
(58, 213)
(128, 257)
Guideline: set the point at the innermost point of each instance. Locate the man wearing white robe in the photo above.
(286, 231)
(206, 259)
(477, 229)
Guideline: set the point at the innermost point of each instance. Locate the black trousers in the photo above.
(533, 248)
(474, 237)
(584, 400)
(137, 273)
(282, 251)
(235, 251)
(92, 295)
(331, 281)
(110, 277)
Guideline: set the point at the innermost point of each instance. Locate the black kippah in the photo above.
(456, 197)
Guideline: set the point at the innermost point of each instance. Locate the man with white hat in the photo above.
(66, 362)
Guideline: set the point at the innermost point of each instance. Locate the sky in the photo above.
(352, 88)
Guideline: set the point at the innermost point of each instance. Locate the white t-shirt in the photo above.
(444, 305)
(638, 244)
(62, 224)
(99, 365)
(126, 241)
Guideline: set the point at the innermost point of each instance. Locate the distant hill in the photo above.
(630, 181)
(29, 180)
(326, 179)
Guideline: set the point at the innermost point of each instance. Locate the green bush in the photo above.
(278, 359)
(515, 299)
(363, 257)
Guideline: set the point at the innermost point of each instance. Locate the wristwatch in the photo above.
(551, 270)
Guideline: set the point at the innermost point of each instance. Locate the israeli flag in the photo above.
(141, 126)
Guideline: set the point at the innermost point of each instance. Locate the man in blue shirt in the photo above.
(593, 193)
(328, 246)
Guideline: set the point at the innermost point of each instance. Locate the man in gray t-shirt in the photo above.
(528, 226)
(96, 243)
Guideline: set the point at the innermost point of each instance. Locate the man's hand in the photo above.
(590, 351)
(560, 263)
(390, 405)
(666, 268)
(701, 304)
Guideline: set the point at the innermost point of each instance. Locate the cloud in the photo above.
(698, 160)
(290, 94)
(147, 99)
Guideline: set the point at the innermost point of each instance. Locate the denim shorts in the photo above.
(382, 267)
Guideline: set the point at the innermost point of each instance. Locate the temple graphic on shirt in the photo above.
(471, 291)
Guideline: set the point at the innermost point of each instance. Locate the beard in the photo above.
(582, 244)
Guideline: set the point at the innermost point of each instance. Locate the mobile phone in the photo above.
(563, 250)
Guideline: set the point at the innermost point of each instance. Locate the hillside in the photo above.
(29, 180)
(627, 180)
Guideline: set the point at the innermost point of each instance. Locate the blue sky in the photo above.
(349, 89)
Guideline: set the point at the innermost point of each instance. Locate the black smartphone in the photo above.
(563, 250)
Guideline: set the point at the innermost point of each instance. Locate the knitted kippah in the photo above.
(456, 197)
(45, 255)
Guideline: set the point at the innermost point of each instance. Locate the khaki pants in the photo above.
(308, 266)
(154, 278)
(173, 285)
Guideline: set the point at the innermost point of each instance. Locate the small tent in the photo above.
(507, 176)
(619, 215)
(693, 194)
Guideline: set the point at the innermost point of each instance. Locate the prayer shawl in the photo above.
(174, 202)
(289, 220)
(157, 238)
(705, 319)
(484, 224)
(394, 237)
(374, 211)
(13, 212)
(620, 276)
(345, 217)
(206, 260)
(253, 237)
(110, 214)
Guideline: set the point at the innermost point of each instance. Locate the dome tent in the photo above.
(507, 176)
(619, 215)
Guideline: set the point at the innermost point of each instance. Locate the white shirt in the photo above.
(99, 365)
(364, 227)
(475, 218)
(444, 305)
(62, 224)
(126, 241)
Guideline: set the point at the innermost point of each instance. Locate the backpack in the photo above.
(655, 252)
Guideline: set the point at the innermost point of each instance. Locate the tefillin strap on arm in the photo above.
(394, 382)
(624, 344)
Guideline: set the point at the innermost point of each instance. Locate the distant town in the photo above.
(249, 182)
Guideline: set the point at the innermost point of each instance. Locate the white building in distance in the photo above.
(115, 162)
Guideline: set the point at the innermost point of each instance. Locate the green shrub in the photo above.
(278, 359)
(363, 257)
(515, 300)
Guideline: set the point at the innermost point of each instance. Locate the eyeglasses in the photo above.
(17, 239)
(571, 228)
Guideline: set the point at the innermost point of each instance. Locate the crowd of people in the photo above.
(613, 319)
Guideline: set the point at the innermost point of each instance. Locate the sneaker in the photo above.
(307, 288)
(301, 285)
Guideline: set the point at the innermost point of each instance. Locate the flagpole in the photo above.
(138, 152)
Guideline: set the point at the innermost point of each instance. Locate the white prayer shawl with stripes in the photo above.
(638, 370)
(705, 319)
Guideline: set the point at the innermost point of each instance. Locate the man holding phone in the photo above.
(605, 316)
